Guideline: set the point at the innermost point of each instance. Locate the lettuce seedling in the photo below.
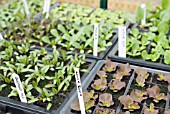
(128, 103)
(141, 72)
(150, 110)
(89, 95)
(102, 74)
(104, 111)
(100, 84)
(117, 85)
(106, 100)
(109, 65)
(154, 92)
(117, 76)
(125, 69)
(75, 105)
(138, 95)
(89, 99)
(140, 81)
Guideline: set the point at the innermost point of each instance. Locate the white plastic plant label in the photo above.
(19, 87)
(46, 7)
(122, 42)
(96, 36)
(79, 90)
(1, 37)
(26, 8)
(143, 21)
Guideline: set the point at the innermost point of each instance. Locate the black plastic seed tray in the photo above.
(130, 85)
(10, 106)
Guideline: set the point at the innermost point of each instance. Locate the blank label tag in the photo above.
(143, 21)
(1, 37)
(79, 90)
(26, 7)
(122, 41)
(46, 8)
(96, 36)
(19, 87)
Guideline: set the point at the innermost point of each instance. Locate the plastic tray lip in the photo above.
(91, 76)
(7, 102)
(144, 63)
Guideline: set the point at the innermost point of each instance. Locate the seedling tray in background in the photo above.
(159, 64)
(102, 54)
(16, 107)
(86, 85)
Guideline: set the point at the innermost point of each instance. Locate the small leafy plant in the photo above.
(117, 85)
(142, 75)
(105, 99)
(109, 65)
(125, 69)
(138, 95)
(102, 74)
(89, 99)
(128, 103)
(154, 92)
(99, 84)
(150, 110)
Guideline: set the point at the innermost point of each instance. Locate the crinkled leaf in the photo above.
(89, 96)
(140, 81)
(100, 84)
(105, 99)
(154, 92)
(110, 66)
(125, 69)
(117, 85)
(141, 72)
(102, 74)
(138, 95)
(117, 76)
(128, 103)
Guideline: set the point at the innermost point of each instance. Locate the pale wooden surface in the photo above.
(2, 2)
(130, 5)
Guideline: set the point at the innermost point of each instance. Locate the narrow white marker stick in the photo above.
(1, 37)
(45, 5)
(79, 90)
(122, 42)
(19, 87)
(96, 37)
(46, 8)
(26, 8)
(143, 21)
